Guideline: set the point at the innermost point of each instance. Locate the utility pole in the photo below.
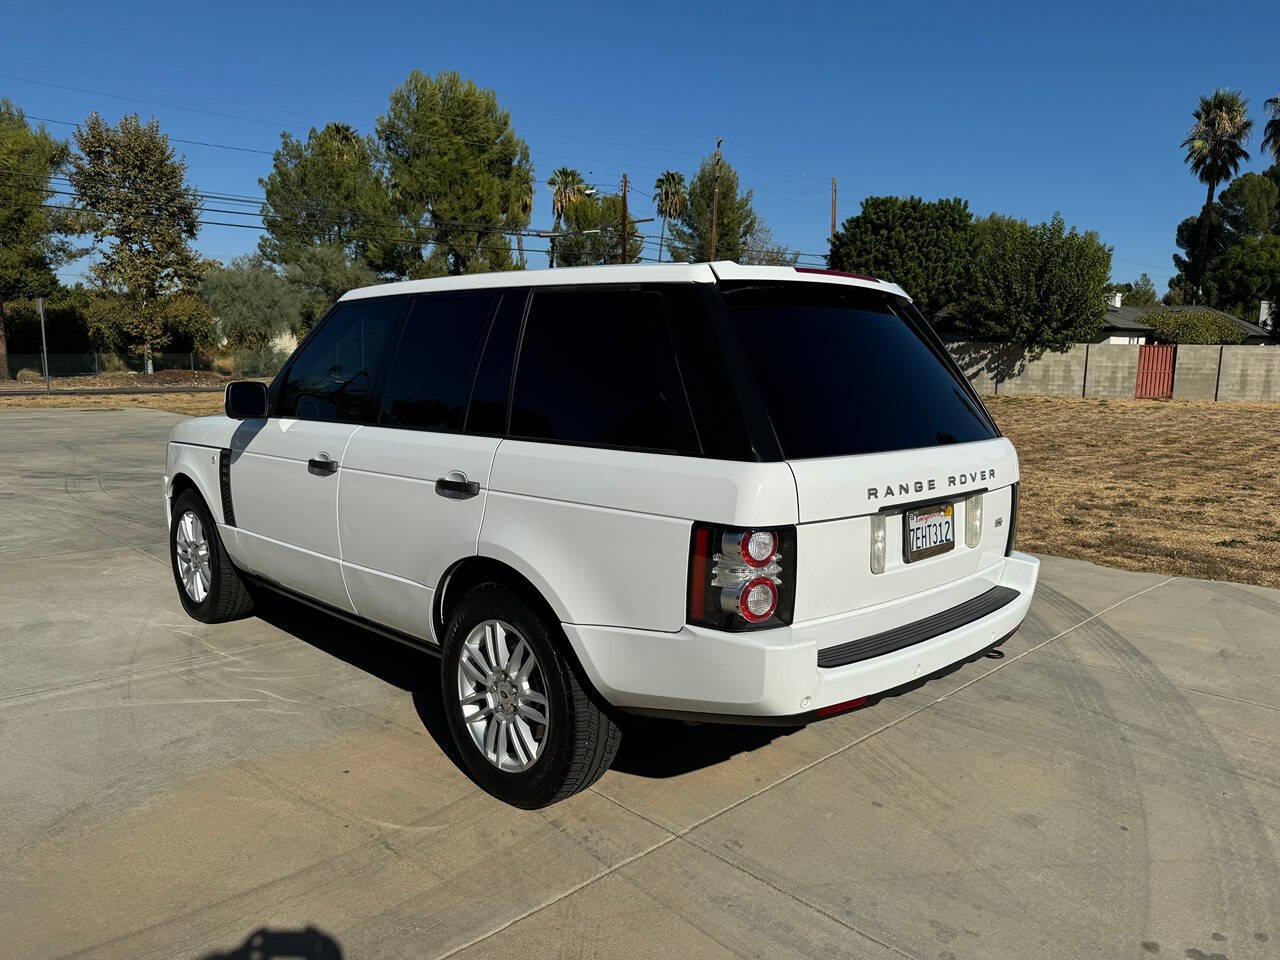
(44, 346)
(715, 198)
(833, 208)
(626, 229)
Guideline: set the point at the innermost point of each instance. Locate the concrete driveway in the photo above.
(1110, 788)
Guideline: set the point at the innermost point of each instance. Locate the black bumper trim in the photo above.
(908, 635)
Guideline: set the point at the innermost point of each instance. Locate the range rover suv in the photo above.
(705, 491)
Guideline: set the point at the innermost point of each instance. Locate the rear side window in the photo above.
(843, 374)
(430, 379)
(597, 367)
(332, 376)
(488, 412)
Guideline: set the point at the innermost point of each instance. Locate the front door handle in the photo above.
(454, 485)
(322, 464)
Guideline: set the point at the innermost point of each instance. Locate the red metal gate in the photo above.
(1155, 372)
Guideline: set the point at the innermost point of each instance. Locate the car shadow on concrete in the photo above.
(651, 747)
(268, 944)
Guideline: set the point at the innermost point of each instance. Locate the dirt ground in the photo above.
(188, 404)
(161, 378)
(1168, 487)
(1171, 487)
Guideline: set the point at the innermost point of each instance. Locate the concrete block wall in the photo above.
(1054, 374)
(1201, 372)
(1195, 371)
(1250, 374)
(1112, 370)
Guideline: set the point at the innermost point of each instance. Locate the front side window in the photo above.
(332, 376)
(597, 367)
(430, 378)
(843, 373)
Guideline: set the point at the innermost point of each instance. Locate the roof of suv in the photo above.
(625, 273)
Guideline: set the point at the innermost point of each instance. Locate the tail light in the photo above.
(973, 520)
(1013, 519)
(741, 579)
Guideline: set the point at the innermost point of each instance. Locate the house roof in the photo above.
(1126, 320)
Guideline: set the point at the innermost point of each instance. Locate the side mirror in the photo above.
(246, 400)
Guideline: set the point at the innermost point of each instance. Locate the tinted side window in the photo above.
(331, 378)
(597, 367)
(488, 411)
(430, 379)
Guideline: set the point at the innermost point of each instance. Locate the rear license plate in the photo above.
(928, 531)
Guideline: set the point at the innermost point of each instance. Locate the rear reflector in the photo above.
(840, 707)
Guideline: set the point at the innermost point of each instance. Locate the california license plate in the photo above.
(928, 531)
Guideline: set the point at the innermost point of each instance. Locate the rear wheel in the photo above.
(528, 731)
(208, 585)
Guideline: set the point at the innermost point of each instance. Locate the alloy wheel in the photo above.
(502, 693)
(191, 546)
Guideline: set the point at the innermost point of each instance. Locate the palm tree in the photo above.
(566, 186)
(1271, 132)
(672, 198)
(1215, 150)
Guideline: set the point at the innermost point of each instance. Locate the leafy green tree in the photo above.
(923, 246)
(761, 249)
(670, 197)
(1271, 132)
(523, 214)
(458, 172)
(735, 217)
(328, 190)
(31, 247)
(1248, 207)
(1194, 326)
(566, 186)
(1246, 274)
(251, 303)
(1215, 150)
(1187, 263)
(134, 201)
(1039, 286)
(319, 276)
(1140, 293)
(591, 232)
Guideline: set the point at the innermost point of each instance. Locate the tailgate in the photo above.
(839, 495)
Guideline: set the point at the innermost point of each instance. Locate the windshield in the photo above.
(842, 373)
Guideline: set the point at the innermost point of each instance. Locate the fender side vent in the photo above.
(224, 482)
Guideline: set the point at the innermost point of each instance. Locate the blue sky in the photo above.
(1018, 109)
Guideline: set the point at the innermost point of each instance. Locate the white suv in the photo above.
(705, 491)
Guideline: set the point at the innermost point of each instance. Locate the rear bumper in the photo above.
(775, 673)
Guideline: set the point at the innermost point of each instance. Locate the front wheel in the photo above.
(209, 587)
(528, 731)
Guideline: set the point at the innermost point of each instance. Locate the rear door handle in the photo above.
(454, 485)
(322, 464)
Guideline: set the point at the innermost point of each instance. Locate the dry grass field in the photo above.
(1172, 487)
(1180, 488)
(189, 404)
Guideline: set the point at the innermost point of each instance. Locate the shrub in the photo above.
(27, 375)
(1194, 326)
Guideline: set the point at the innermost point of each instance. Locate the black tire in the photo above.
(228, 598)
(581, 738)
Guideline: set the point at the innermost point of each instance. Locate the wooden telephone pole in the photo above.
(833, 208)
(626, 230)
(715, 198)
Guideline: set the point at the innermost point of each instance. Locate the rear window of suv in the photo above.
(842, 373)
